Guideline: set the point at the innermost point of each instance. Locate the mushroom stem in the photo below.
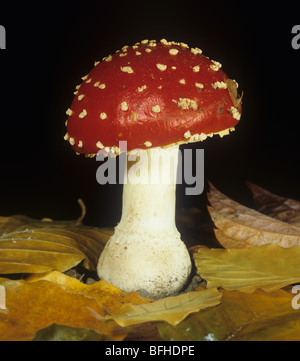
(145, 253)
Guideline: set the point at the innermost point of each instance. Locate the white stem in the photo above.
(146, 253)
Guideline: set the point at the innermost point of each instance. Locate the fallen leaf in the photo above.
(108, 295)
(32, 246)
(241, 316)
(67, 333)
(268, 267)
(281, 208)
(35, 306)
(170, 309)
(242, 227)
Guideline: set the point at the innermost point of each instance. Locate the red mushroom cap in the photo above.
(152, 95)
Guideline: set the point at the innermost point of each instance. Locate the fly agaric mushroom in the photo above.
(155, 96)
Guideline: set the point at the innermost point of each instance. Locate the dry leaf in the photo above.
(34, 306)
(171, 309)
(242, 227)
(268, 267)
(281, 208)
(66, 333)
(240, 317)
(109, 296)
(32, 246)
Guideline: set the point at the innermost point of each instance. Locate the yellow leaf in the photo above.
(242, 227)
(109, 296)
(171, 309)
(268, 267)
(32, 246)
(34, 306)
(241, 316)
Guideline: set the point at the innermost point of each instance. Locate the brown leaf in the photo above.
(34, 306)
(242, 227)
(241, 316)
(281, 208)
(32, 246)
(109, 296)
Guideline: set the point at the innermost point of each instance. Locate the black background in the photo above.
(51, 45)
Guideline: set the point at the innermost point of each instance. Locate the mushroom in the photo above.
(155, 96)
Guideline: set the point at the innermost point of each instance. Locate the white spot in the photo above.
(199, 85)
(144, 41)
(196, 68)
(72, 141)
(184, 45)
(83, 114)
(69, 112)
(99, 145)
(84, 77)
(165, 42)
(127, 69)
(89, 80)
(161, 67)
(152, 43)
(182, 81)
(102, 86)
(219, 85)
(187, 134)
(138, 53)
(124, 106)
(210, 337)
(196, 51)
(143, 87)
(156, 109)
(159, 87)
(66, 136)
(186, 103)
(148, 50)
(108, 58)
(103, 115)
(148, 144)
(173, 51)
(96, 63)
(173, 67)
(216, 65)
(235, 113)
(80, 144)
(122, 54)
(81, 96)
(96, 84)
